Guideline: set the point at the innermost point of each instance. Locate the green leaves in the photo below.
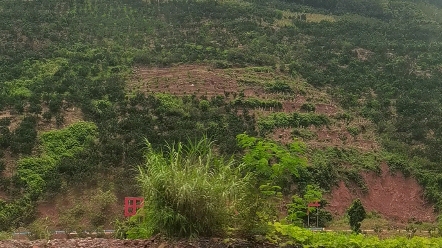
(69, 141)
(37, 174)
(283, 120)
(356, 214)
(288, 234)
(189, 191)
(271, 162)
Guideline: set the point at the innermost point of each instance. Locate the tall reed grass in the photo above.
(190, 191)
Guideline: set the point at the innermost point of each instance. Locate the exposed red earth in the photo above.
(392, 195)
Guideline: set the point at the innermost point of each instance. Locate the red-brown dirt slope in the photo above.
(392, 195)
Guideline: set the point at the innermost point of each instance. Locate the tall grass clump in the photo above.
(190, 191)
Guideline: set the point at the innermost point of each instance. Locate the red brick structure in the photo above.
(132, 204)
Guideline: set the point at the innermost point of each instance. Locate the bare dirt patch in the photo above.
(203, 80)
(147, 243)
(15, 120)
(394, 196)
(362, 54)
(282, 135)
(70, 115)
(184, 80)
(84, 204)
(327, 109)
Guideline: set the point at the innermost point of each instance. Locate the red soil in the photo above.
(185, 80)
(326, 109)
(393, 196)
(283, 135)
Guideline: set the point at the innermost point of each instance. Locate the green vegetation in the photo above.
(257, 103)
(189, 191)
(63, 61)
(278, 120)
(285, 235)
(356, 214)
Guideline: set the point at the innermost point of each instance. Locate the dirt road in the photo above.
(114, 243)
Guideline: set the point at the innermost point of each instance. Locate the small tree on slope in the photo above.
(356, 214)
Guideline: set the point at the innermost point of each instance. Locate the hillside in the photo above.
(347, 89)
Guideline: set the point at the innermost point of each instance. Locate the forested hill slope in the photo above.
(381, 60)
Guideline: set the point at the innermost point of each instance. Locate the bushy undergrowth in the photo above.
(286, 235)
(283, 120)
(189, 191)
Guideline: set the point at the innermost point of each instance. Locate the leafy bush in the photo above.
(24, 136)
(278, 87)
(298, 209)
(308, 107)
(289, 235)
(354, 131)
(277, 120)
(189, 191)
(258, 103)
(272, 163)
(39, 229)
(68, 141)
(356, 214)
(6, 235)
(304, 133)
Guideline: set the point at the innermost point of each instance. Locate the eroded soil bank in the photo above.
(392, 195)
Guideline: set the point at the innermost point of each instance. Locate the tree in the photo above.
(356, 214)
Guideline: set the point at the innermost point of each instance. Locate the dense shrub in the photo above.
(190, 191)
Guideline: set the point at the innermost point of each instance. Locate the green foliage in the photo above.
(88, 212)
(258, 103)
(308, 107)
(99, 211)
(354, 131)
(272, 163)
(69, 141)
(35, 174)
(304, 133)
(25, 136)
(279, 87)
(5, 235)
(39, 229)
(39, 175)
(285, 235)
(356, 214)
(278, 120)
(258, 208)
(298, 209)
(70, 219)
(330, 165)
(189, 191)
(16, 212)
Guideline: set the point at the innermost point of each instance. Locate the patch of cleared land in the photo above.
(251, 83)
